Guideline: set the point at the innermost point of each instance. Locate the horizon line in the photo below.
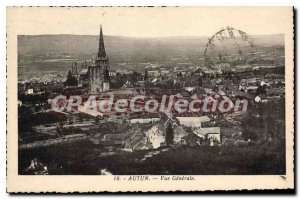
(140, 37)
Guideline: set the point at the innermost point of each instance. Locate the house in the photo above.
(164, 72)
(30, 91)
(117, 139)
(261, 99)
(193, 121)
(210, 133)
(185, 93)
(135, 139)
(153, 73)
(140, 83)
(249, 81)
(155, 136)
(190, 88)
(34, 88)
(209, 91)
(179, 133)
(135, 142)
(154, 80)
(257, 99)
(20, 103)
(143, 120)
(220, 92)
(251, 89)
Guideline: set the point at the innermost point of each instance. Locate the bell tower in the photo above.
(97, 69)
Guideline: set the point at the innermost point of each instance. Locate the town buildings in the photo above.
(144, 131)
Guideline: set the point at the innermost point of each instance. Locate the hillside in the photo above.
(119, 49)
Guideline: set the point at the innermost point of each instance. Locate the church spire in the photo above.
(101, 51)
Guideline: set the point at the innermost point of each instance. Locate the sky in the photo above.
(147, 21)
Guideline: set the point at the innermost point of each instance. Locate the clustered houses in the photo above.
(137, 131)
(151, 134)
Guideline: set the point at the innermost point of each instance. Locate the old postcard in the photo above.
(125, 99)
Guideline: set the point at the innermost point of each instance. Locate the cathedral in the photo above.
(94, 75)
(99, 70)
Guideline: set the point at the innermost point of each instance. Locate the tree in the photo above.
(59, 128)
(169, 135)
(200, 82)
(261, 90)
(25, 121)
(253, 128)
(80, 118)
(220, 57)
(216, 88)
(146, 75)
(70, 120)
(97, 119)
(134, 77)
(71, 80)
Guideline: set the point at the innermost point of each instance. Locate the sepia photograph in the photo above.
(148, 95)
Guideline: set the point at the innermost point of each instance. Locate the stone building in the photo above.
(99, 70)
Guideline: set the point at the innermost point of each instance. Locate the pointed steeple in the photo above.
(101, 51)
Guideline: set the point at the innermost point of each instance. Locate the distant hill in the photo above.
(120, 49)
